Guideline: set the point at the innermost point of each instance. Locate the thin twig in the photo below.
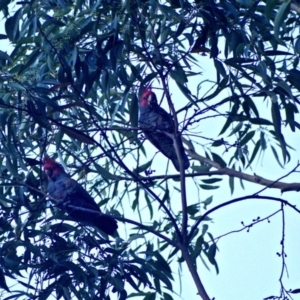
(250, 197)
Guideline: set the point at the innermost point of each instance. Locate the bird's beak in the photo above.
(48, 172)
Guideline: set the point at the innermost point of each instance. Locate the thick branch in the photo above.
(284, 187)
(193, 270)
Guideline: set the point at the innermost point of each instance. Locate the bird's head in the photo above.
(148, 98)
(51, 167)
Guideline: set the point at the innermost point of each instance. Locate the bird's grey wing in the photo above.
(79, 195)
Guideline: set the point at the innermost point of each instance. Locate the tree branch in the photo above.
(193, 270)
(251, 197)
(284, 187)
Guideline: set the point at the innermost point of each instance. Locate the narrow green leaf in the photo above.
(263, 142)
(193, 209)
(157, 284)
(105, 173)
(32, 59)
(237, 128)
(164, 35)
(297, 45)
(208, 187)
(247, 138)
(162, 277)
(4, 4)
(260, 121)
(276, 52)
(241, 180)
(143, 167)
(290, 110)
(166, 196)
(11, 167)
(117, 106)
(149, 204)
(218, 143)
(134, 237)
(134, 113)
(202, 168)
(150, 296)
(167, 296)
(231, 184)
(52, 20)
(280, 17)
(270, 5)
(251, 105)
(163, 263)
(16, 86)
(131, 282)
(124, 102)
(276, 156)
(286, 87)
(226, 125)
(212, 253)
(256, 148)
(148, 78)
(78, 135)
(12, 25)
(238, 60)
(220, 68)
(179, 76)
(218, 159)
(277, 127)
(294, 78)
(118, 283)
(28, 286)
(212, 180)
(207, 202)
(5, 56)
(181, 27)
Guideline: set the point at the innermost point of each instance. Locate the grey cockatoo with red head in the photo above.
(158, 127)
(69, 194)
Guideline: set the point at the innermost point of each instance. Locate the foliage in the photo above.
(70, 88)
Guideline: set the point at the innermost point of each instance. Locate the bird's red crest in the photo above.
(49, 163)
(144, 98)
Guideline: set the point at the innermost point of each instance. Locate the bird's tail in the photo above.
(107, 224)
(186, 161)
(175, 161)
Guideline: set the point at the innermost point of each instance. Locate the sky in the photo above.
(249, 266)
